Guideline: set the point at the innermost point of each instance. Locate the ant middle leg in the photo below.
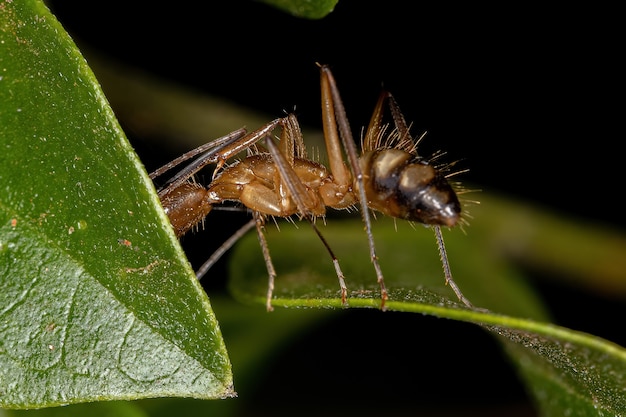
(301, 197)
(336, 127)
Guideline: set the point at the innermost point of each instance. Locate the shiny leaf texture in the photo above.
(98, 301)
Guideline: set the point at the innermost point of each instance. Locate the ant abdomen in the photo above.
(402, 185)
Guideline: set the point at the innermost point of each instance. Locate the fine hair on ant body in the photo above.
(281, 181)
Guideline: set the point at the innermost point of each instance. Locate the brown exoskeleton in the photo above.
(281, 181)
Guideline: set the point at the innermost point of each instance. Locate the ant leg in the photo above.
(375, 132)
(405, 140)
(300, 196)
(259, 221)
(338, 271)
(208, 264)
(335, 116)
(375, 129)
(197, 151)
(226, 147)
(446, 267)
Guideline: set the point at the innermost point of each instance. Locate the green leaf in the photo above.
(409, 259)
(309, 9)
(98, 301)
(566, 370)
(99, 409)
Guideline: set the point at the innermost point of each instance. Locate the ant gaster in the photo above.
(280, 181)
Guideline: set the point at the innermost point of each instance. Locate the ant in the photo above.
(279, 180)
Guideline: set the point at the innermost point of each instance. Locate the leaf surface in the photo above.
(304, 8)
(98, 301)
(568, 372)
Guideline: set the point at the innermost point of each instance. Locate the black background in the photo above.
(530, 97)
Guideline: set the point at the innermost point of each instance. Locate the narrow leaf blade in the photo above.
(565, 370)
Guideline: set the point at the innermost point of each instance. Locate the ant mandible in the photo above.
(281, 181)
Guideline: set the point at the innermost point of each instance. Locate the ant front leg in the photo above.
(402, 184)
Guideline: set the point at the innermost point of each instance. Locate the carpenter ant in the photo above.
(279, 180)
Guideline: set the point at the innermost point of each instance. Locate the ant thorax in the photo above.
(256, 183)
(399, 184)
